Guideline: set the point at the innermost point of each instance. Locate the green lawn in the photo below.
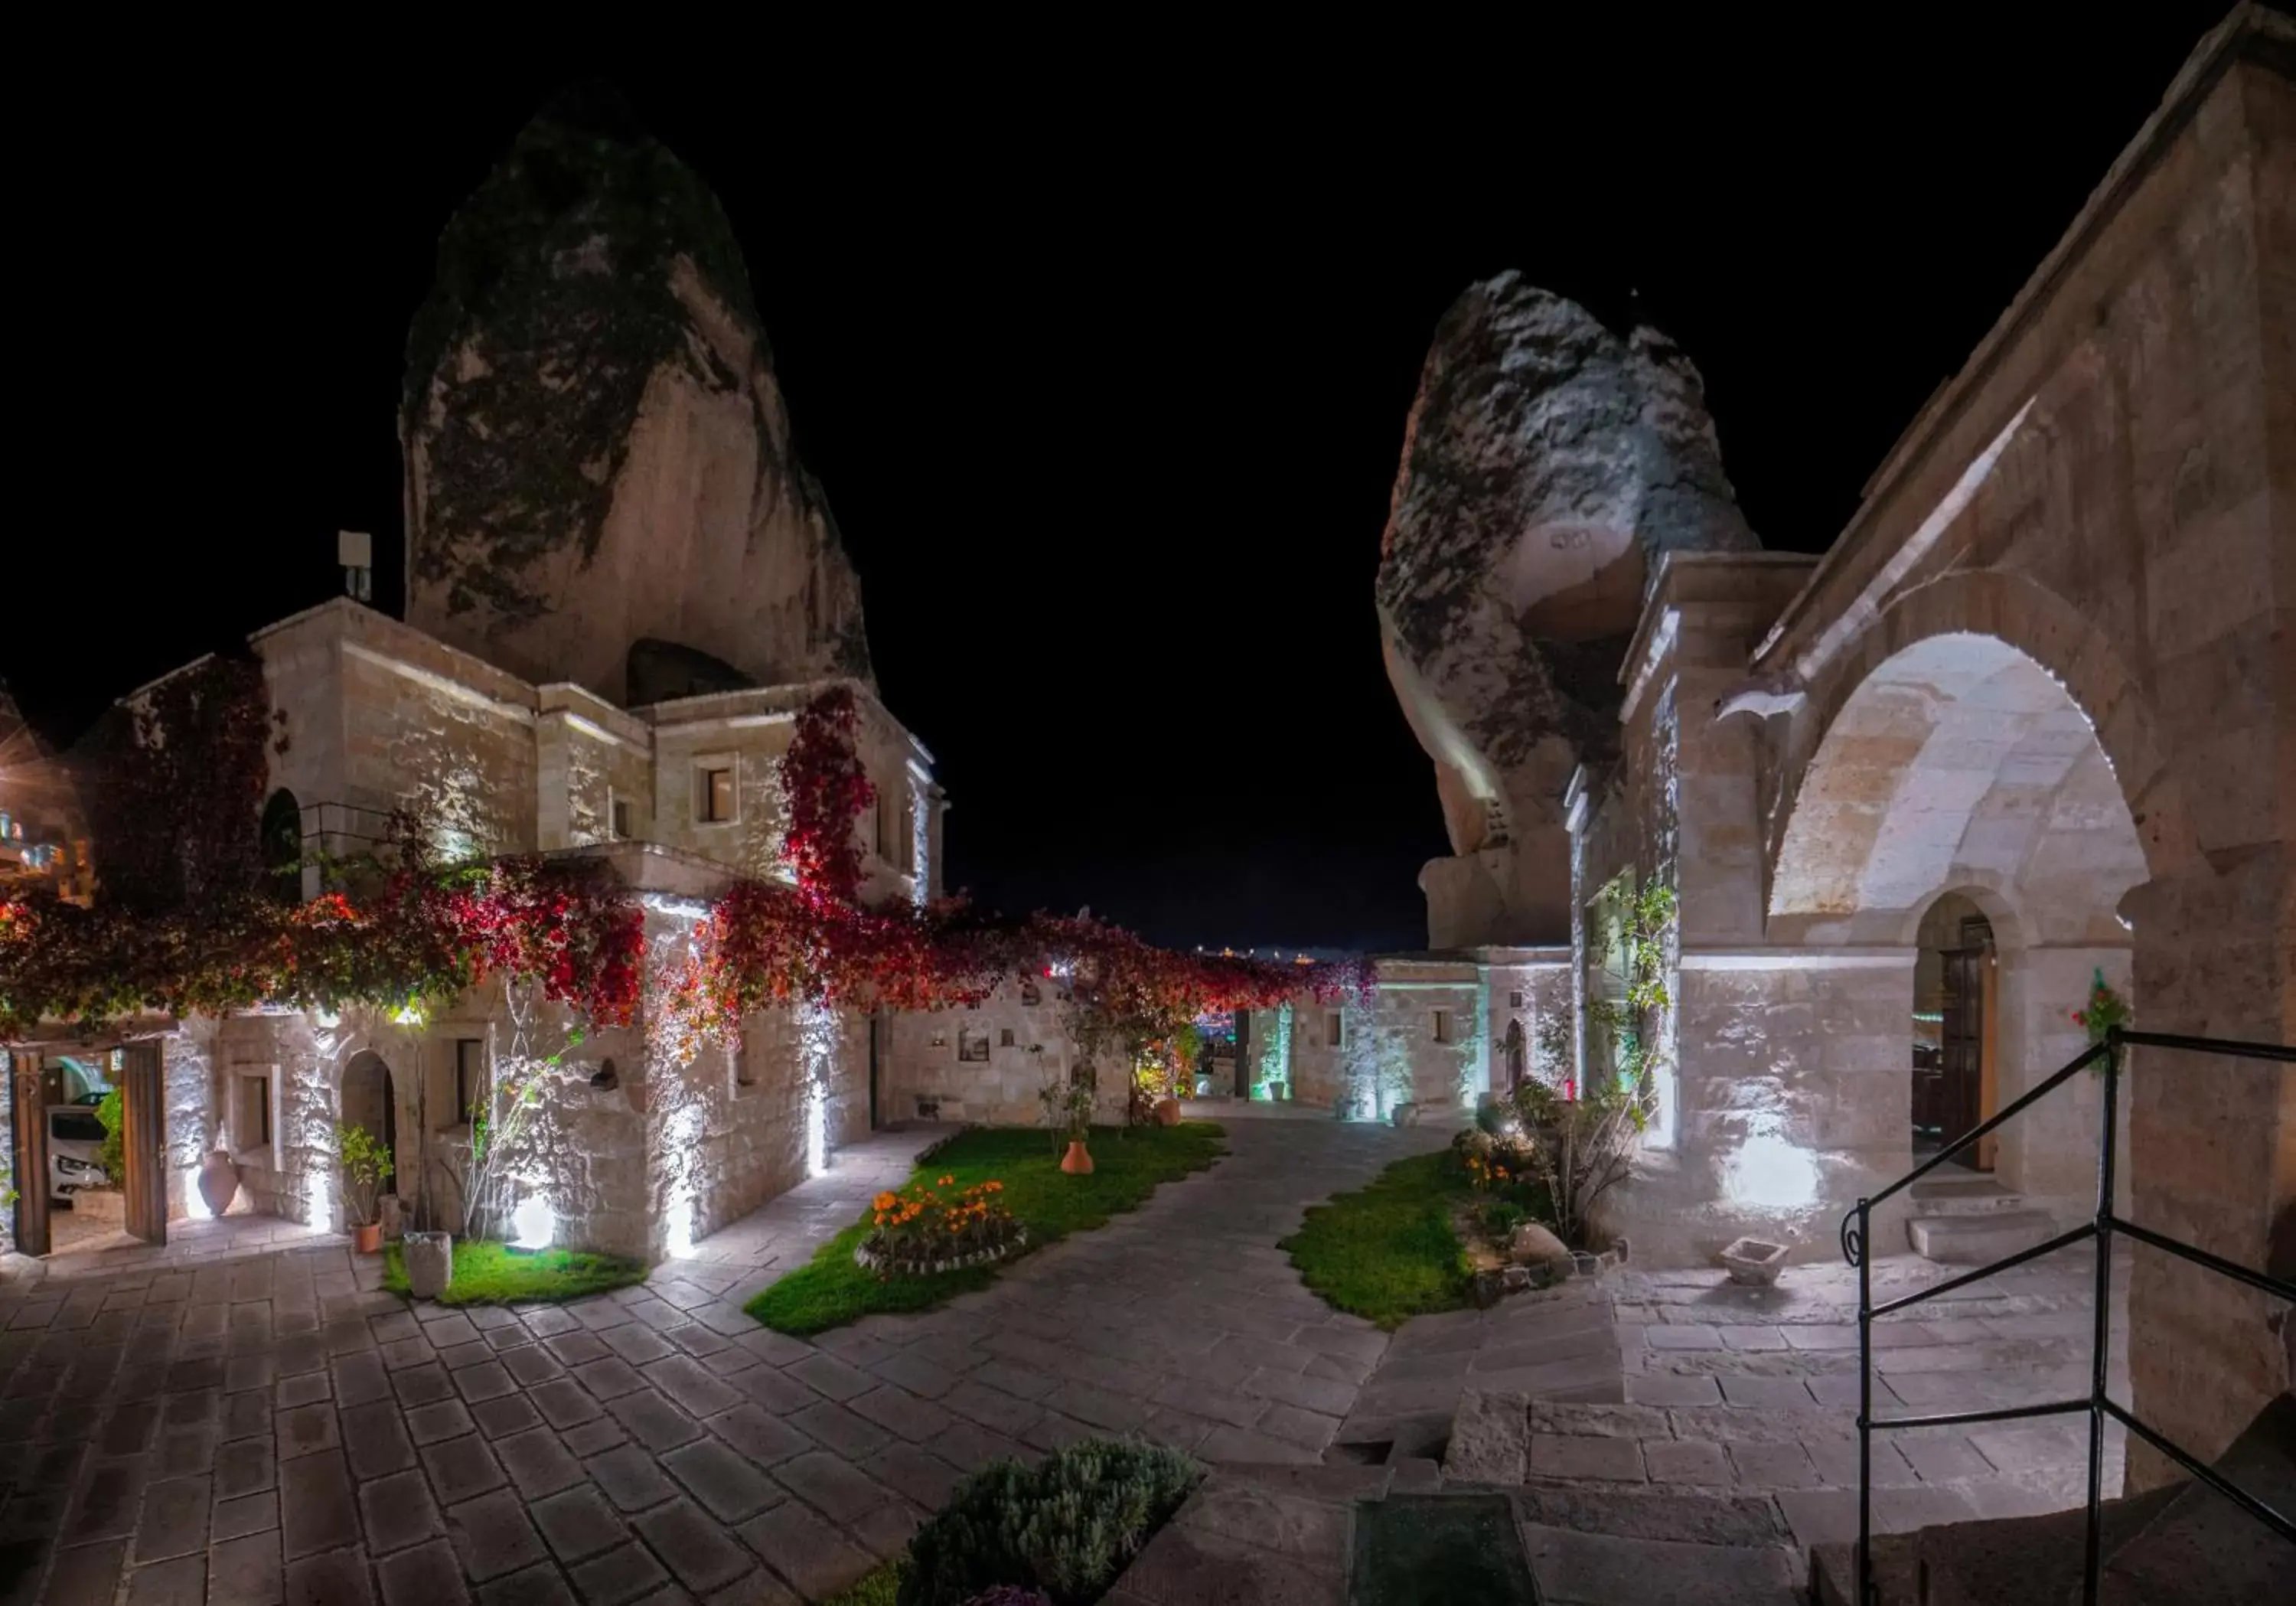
(1387, 1251)
(881, 1587)
(831, 1289)
(493, 1273)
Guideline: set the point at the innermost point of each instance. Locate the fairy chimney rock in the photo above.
(1547, 464)
(601, 484)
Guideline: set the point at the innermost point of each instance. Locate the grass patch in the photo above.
(880, 1587)
(493, 1273)
(1387, 1252)
(1127, 1164)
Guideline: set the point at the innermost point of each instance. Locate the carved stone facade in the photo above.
(2049, 669)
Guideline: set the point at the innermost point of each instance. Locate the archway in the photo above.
(370, 1099)
(1957, 1037)
(1961, 766)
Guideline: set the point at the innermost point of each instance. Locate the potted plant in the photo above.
(365, 1167)
(1076, 1108)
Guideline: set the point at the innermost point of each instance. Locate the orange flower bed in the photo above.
(924, 1228)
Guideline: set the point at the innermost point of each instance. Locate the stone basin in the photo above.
(1755, 1262)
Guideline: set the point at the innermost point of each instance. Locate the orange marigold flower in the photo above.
(946, 1180)
(883, 1201)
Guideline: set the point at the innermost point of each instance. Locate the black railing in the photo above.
(1857, 1233)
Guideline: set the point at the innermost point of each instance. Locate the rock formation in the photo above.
(597, 453)
(1547, 465)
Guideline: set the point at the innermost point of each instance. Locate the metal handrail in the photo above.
(1857, 1233)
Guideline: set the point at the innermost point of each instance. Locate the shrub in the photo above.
(113, 1154)
(1067, 1526)
(1501, 1217)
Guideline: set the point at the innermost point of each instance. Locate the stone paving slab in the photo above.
(275, 1428)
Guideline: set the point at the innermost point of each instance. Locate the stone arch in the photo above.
(1948, 758)
(2054, 636)
(368, 1096)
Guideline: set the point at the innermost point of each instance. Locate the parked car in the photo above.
(75, 1139)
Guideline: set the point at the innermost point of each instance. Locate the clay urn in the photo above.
(218, 1181)
(1167, 1112)
(1078, 1161)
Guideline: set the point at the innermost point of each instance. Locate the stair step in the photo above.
(1963, 1196)
(1976, 1239)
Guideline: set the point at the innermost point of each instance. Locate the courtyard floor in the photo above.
(273, 1427)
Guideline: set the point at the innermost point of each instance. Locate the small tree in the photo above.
(1581, 1140)
(112, 1155)
(504, 1108)
(365, 1166)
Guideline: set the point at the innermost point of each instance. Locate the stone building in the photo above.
(2043, 683)
(623, 587)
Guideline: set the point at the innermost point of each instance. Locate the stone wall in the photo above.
(2106, 488)
(187, 1076)
(1359, 1057)
(1019, 1031)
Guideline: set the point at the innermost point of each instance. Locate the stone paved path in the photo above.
(189, 1244)
(276, 1429)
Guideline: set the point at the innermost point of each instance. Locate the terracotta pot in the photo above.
(368, 1235)
(218, 1182)
(1078, 1161)
(1167, 1112)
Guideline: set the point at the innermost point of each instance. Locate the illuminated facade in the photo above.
(2045, 673)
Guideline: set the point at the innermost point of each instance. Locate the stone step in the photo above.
(1963, 1196)
(1974, 1240)
(2167, 1546)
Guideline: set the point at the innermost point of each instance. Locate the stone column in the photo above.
(2049, 1153)
(2212, 1148)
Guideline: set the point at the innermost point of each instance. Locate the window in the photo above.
(888, 817)
(972, 1043)
(617, 812)
(1514, 1000)
(251, 1111)
(470, 1074)
(717, 795)
(1334, 1035)
(70, 1126)
(1443, 1025)
(745, 1073)
(1005, 1038)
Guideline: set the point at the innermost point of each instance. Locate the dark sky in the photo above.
(1104, 365)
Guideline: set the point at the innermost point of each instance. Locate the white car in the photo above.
(75, 1139)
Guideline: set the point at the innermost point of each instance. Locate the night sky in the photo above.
(1105, 366)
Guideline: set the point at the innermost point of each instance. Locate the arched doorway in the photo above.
(370, 1099)
(1955, 1056)
(1960, 805)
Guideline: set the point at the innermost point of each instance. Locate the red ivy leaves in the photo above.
(828, 788)
(569, 925)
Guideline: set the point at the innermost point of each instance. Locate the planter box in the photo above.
(1755, 1262)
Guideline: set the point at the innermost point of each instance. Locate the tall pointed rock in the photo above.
(601, 485)
(1547, 465)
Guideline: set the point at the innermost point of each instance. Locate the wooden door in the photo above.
(32, 1139)
(143, 1143)
(1961, 1085)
